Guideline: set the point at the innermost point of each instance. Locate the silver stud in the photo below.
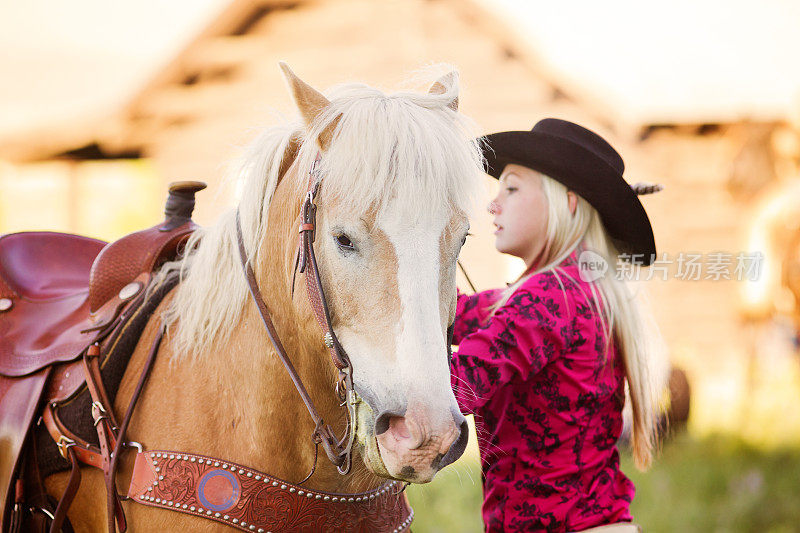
(326, 498)
(241, 471)
(300, 492)
(158, 469)
(185, 457)
(158, 500)
(308, 495)
(328, 339)
(172, 456)
(216, 463)
(5, 304)
(208, 513)
(244, 523)
(318, 497)
(335, 499)
(261, 530)
(291, 489)
(249, 474)
(358, 499)
(258, 478)
(153, 455)
(200, 461)
(130, 290)
(155, 483)
(226, 517)
(184, 506)
(252, 528)
(192, 508)
(349, 499)
(191, 459)
(216, 515)
(274, 483)
(158, 455)
(142, 496)
(149, 488)
(283, 487)
(160, 478)
(235, 520)
(200, 510)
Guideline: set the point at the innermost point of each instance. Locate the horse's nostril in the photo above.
(458, 446)
(383, 421)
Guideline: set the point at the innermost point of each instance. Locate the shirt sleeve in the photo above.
(472, 312)
(518, 341)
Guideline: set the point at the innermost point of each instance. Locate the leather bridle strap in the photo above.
(323, 433)
(306, 257)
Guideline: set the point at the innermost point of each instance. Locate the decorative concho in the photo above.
(218, 490)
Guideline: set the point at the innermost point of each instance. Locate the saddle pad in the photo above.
(46, 278)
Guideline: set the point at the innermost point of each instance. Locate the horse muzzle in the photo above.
(413, 447)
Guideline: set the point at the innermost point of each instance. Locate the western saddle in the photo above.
(63, 296)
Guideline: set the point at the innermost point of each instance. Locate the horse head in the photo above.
(397, 175)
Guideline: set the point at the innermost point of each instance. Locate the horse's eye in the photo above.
(345, 243)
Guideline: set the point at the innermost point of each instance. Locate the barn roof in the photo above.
(624, 65)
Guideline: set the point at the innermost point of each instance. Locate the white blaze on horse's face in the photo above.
(391, 286)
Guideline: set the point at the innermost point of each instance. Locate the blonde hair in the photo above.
(621, 314)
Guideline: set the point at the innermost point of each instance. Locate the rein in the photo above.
(338, 450)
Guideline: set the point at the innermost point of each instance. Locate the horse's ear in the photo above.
(310, 102)
(443, 85)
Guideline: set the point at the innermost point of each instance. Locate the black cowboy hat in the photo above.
(586, 164)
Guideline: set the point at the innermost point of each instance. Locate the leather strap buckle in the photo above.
(64, 443)
(99, 413)
(309, 216)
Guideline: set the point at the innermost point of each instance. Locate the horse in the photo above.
(397, 175)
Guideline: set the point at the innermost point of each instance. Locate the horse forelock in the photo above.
(406, 152)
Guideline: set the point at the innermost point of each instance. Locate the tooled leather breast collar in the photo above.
(249, 500)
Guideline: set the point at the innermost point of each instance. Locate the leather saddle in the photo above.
(59, 294)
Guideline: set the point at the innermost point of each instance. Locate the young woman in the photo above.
(543, 364)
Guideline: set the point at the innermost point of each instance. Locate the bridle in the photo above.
(338, 450)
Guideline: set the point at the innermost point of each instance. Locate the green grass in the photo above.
(718, 484)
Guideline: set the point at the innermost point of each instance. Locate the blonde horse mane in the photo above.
(410, 148)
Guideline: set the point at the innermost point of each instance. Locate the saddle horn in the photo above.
(180, 203)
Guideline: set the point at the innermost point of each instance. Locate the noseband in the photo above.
(338, 450)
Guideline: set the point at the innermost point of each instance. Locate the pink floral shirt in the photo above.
(547, 405)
